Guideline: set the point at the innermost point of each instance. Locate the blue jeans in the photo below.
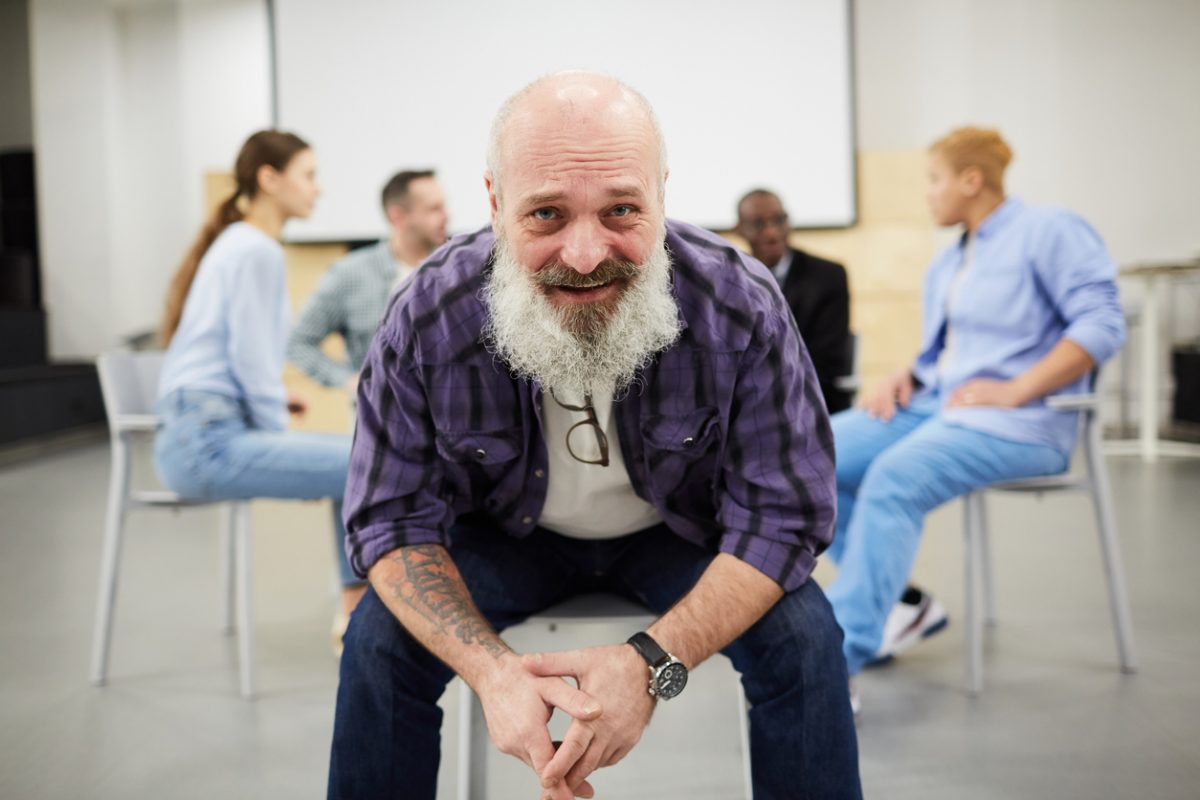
(889, 476)
(386, 739)
(205, 448)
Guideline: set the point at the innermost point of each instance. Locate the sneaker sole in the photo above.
(937, 627)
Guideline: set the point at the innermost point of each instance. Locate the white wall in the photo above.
(1100, 100)
(133, 103)
(74, 70)
(16, 113)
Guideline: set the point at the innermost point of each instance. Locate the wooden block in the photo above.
(891, 187)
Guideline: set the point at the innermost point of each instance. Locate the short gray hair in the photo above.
(501, 120)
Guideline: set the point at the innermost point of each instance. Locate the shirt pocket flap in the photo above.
(479, 447)
(692, 432)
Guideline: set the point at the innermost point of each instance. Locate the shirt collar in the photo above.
(1001, 216)
(784, 264)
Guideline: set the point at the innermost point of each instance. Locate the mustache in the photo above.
(557, 273)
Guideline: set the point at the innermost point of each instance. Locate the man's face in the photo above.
(763, 223)
(425, 216)
(580, 209)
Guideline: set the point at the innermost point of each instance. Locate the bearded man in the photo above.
(588, 397)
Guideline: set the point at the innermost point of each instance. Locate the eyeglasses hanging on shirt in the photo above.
(593, 423)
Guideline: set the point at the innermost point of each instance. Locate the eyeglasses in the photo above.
(760, 224)
(601, 438)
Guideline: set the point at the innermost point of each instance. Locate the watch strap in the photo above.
(648, 649)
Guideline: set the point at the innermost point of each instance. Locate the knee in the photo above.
(380, 653)
(798, 643)
(889, 480)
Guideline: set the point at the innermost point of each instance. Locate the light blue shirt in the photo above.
(1037, 275)
(234, 328)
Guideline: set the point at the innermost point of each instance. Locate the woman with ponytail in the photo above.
(222, 403)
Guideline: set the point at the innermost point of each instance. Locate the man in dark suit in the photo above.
(815, 290)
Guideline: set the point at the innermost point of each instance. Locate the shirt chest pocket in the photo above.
(681, 449)
(486, 449)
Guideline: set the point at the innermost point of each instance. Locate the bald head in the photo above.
(551, 108)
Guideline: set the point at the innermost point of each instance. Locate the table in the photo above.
(1148, 445)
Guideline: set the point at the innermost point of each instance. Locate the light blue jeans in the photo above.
(889, 476)
(205, 448)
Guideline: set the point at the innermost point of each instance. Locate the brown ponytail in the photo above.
(265, 148)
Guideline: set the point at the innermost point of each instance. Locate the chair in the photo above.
(1094, 480)
(606, 609)
(129, 384)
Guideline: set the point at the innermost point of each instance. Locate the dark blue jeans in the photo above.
(387, 731)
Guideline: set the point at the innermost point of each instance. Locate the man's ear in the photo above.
(396, 215)
(493, 198)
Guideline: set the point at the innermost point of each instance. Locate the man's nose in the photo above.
(585, 247)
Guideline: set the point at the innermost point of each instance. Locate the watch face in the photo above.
(671, 680)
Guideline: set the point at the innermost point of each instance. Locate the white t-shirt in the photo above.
(952, 301)
(588, 501)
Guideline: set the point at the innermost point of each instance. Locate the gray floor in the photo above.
(1056, 720)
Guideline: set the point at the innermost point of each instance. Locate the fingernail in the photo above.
(591, 708)
(549, 783)
(534, 657)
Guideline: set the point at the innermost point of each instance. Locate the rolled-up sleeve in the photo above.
(1077, 272)
(778, 502)
(393, 490)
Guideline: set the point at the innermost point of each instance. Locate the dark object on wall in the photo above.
(22, 338)
(1185, 367)
(20, 282)
(37, 401)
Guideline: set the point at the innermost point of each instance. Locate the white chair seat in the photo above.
(584, 609)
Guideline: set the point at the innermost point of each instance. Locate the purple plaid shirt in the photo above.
(725, 433)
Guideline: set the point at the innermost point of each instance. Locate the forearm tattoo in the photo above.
(429, 588)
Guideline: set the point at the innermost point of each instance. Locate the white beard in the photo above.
(531, 335)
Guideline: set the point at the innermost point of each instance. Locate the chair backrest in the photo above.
(129, 382)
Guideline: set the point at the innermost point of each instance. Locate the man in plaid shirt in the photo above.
(353, 294)
(588, 397)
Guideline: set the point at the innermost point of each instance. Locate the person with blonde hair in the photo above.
(222, 403)
(1023, 306)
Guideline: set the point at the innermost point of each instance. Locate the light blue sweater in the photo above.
(234, 329)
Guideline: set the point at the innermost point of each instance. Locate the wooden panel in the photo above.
(328, 409)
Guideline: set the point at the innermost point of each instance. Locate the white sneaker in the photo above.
(917, 616)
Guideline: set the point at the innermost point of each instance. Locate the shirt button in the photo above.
(539, 473)
(480, 454)
(688, 442)
(526, 520)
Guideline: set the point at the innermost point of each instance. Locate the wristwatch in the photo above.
(668, 675)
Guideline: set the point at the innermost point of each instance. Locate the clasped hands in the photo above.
(609, 709)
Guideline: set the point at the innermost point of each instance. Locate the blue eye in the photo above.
(544, 214)
(622, 211)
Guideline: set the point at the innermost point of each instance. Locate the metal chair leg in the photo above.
(228, 523)
(244, 567)
(974, 623)
(744, 727)
(1113, 566)
(987, 574)
(114, 527)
